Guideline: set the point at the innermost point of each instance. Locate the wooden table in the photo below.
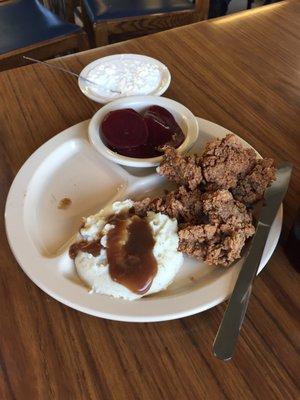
(239, 71)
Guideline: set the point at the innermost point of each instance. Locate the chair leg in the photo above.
(83, 42)
(70, 6)
(101, 34)
(88, 25)
(249, 4)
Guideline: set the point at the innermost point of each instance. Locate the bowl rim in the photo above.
(165, 81)
(191, 134)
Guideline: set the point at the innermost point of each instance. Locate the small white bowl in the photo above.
(183, 116)
(87, 88)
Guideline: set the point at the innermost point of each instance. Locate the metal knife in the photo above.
(229, 329)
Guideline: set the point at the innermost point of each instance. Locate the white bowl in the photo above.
(87, 88)
(183, 116)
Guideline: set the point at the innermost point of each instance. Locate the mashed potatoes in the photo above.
(94, 271)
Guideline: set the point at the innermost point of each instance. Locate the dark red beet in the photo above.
(144, 151)
(158, 133)
(128, 133)
(162, 127)
(162, 115)
(123, 129)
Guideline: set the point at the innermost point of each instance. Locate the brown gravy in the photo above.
(131, 264)
(93, 247)
(129, 251)
(64, 203)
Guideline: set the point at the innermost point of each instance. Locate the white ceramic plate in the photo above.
(39, 232)
(87, 88)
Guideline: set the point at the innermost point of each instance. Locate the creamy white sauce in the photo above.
(124, 77)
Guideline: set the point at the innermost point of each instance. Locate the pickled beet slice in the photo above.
(162, 127)
(144, 151)
(123, 129)
(158, 133)
(163, 115)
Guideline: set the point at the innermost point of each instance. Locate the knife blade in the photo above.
(229, 329)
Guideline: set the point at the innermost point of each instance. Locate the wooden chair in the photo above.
(29, 28)
(109, 21)
(266, 2)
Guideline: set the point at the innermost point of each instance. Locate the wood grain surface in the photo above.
(242, 72)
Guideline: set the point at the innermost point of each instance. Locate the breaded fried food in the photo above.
(211, 203)
(220, 241)
(222, 209)
(252, 187)
(181, 204)
(212, 226)
(225, 164)
(183, 170)
(225, 161)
